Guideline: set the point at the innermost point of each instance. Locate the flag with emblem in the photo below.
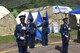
(39, 21)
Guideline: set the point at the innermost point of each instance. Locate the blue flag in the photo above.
(39, 21)
(47, 21)
(30, 17)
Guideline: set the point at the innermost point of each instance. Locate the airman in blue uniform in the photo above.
(32, 34)
(78, 33)
(32, 31)
(21, 35)
(65, 33)
(45, 32)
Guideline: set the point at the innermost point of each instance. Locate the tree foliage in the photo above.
(20, 5)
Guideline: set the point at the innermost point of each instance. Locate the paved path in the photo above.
(54, 47)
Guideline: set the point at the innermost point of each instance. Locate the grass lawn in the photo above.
(73, 33)
(11, 38)
(6, 39)
(54, 35)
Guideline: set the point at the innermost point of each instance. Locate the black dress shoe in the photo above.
(31, 47)
(28, 52)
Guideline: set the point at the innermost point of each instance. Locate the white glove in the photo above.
(69, 28)
(66, 36)
(22, 38)
(23, 28)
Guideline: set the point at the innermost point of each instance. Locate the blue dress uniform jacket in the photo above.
(18, 33)
(45, 33)
(78, 34)
(65, 32)
(32, 34)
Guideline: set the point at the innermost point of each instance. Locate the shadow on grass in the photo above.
(38, 41)
(77, 41)
(59, 48)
